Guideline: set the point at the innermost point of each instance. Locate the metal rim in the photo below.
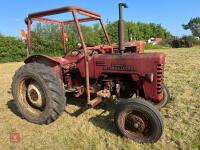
(134, 123)
(31, 96)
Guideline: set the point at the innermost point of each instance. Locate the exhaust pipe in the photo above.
(121, 27)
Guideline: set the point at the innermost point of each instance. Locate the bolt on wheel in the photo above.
(138, 120)
(134, 123)
(31, 95)
(36, 95)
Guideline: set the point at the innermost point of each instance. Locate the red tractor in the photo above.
(133, 79)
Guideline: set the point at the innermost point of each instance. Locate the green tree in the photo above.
(141, 31)
(11, 49)
(194, 26)
(112, 28)
(47, 38)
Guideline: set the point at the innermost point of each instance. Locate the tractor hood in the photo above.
(123, 63)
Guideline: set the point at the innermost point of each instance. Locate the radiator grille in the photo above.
(159, 74)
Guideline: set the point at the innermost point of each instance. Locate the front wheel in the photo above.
(138, 120)
(165, 100)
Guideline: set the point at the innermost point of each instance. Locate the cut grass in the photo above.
(79, 128)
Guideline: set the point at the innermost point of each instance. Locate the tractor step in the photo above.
(95, 101)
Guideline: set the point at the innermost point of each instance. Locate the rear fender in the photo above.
(55, 65)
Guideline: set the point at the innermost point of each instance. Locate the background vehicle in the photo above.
(181, 42)
(40, 86)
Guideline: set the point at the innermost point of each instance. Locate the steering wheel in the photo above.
(80, 50)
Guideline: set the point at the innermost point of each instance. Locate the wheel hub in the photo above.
(135, 122)
(35, 94)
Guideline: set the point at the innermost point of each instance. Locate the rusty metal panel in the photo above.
(46, 20)
(80, 20)
(63, 10)
(85, 54)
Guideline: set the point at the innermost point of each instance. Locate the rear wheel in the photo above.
(39, 94)
(138, 120)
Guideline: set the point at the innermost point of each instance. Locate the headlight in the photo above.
(149, 77)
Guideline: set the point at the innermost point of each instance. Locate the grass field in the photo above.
(93, 129)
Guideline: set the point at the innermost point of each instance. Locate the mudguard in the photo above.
(55, 64)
